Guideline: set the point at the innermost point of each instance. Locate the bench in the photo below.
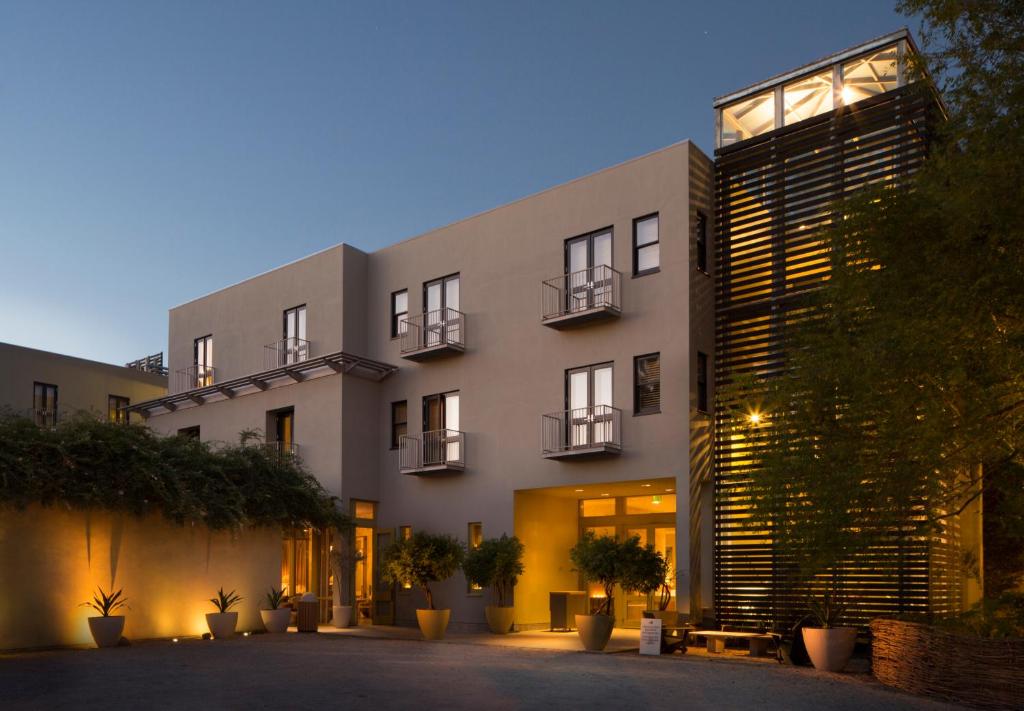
(716, 640)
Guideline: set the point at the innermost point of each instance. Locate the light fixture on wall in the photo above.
(655, 499)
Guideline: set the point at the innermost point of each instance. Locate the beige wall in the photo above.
(168, 574)
(81, 384)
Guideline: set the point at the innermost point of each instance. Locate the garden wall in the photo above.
(53, 560)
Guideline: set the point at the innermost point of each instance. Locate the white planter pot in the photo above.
(106, 631)
(830, 648)
(276, 621)
(222, 624)
(341, 616)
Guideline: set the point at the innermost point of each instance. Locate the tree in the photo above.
(422, 559)
(609, 562)
(497, 563)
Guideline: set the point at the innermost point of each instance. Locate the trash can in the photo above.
(308, 614)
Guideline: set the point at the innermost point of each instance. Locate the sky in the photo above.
(153, 152)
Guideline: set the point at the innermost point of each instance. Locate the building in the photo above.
(49, 387)
(509, 373)
(548, 367)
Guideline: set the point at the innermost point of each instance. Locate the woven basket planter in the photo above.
(921, 659)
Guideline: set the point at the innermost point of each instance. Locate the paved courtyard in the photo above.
(343, 671)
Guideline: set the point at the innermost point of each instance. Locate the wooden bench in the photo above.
(716, 640)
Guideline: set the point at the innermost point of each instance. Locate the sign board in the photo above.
(650, 636)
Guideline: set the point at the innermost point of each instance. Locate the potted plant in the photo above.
(222, 622)
(645, 572)
(423, 559)
(829, 645)
(106, 628)
(497, 563)
(275, 618)
(611, 563)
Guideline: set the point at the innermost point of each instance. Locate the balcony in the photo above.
(287, 351)
(436, 451)
(282, 450)
(582, 297)
(433, 334)
(583, 433)
(194, 377)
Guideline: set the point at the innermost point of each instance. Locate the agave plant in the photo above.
(275, 597)
(225, 601)
(105, 604)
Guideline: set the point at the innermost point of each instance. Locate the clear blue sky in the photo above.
(151, 152)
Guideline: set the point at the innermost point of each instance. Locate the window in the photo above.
(404, 533)
(702, 382)
(647, 384)
(870, 75)
(366, 510)
(189, 432)
(655, 503)
(646, 245)
(442, 441)
(203, 359)
(588, 270)
(807, 97)
(399, 422)
(44, 404)
(748, 118)
(282, 424)
(399, 310)
(702, 242)
(441, 323)
(117, 409)
(296, 347)
(588, 399)
(474, 537)
(597, 507)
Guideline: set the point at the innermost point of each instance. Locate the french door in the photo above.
(296, 348)
(588, 261)
(440, 299)
(588, 395)
(203, 359)
(284, 429)
(442, 441)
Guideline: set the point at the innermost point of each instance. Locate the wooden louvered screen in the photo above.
(774, 196)
(648, 384)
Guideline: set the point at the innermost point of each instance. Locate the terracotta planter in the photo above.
(830, 648)
(433, 623)
(500, 619)
(276, 621)
(222, 624)
(341, 616)
(106, 631)
(594, 631)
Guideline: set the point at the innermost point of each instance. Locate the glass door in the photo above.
(588, 402)
(203, 356)
(284, 428)
(295, 344)
(440, 326)
(588, 282)
(441, 438)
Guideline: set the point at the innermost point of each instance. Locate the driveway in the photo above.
(332, 671)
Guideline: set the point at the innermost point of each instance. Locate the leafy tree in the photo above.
(422, 559)
(497, 563)
(609, 562)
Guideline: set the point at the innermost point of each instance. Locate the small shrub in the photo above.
(497, 563)
(225, 601)
(422, 559)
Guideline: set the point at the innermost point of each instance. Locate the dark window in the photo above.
(702, 382)
(702, 242)
(646, 245)
(399, 422)
(190, 432)
(399, 310)
(117, 409)
(647, 384)
(44, 404)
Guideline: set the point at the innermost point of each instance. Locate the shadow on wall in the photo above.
(53, 560)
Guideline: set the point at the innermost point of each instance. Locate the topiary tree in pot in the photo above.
(644, 571)
(421, 560)
(497, 563)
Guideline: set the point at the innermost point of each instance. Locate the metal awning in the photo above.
(320, 366)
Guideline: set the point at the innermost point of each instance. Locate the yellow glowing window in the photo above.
(807, 97)
(748, 118)
(597, 507)
(870, 75)
(658, 503)
(364, 509)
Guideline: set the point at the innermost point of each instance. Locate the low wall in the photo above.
(53, 560)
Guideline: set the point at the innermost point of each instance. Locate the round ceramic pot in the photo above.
(594, 631)
(341, 616)
(106, 631)
(830, 648)
(222, 624)
(500, 619)
(276, 620)
(433, 623)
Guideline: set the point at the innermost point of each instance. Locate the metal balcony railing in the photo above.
(282, 449)
(285, 352)
(45, 418)
(584, 430)
(441, 329)
(435, 450)
(193, 377)
(595, 288)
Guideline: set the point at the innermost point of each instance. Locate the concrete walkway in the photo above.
(348, 670)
